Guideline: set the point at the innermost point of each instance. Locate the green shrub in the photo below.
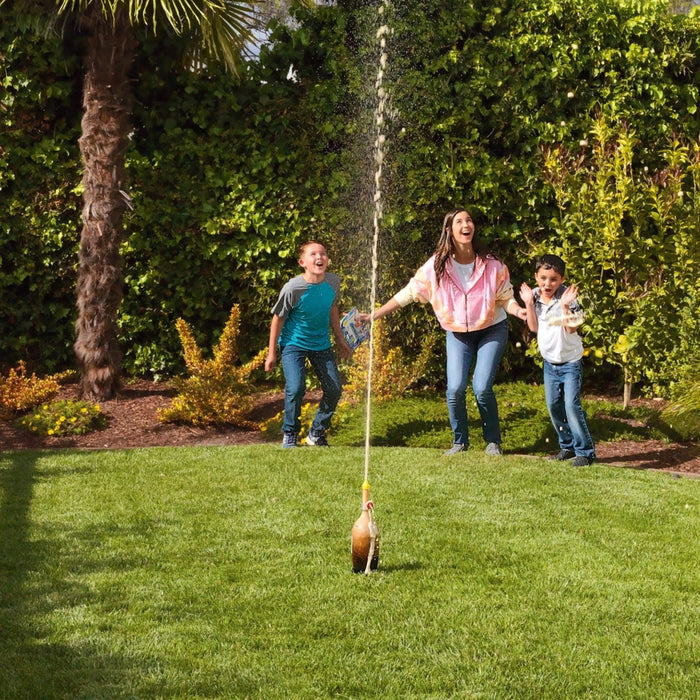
(683, 414)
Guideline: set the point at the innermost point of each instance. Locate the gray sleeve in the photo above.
(334, 282)
(289, 296)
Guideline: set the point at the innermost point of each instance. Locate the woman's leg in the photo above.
(490, 346)
(460, 353)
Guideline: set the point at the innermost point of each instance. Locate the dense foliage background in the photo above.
(487, 100)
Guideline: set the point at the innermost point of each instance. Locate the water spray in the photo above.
(365, 533)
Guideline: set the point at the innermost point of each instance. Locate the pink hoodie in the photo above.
(457, 309)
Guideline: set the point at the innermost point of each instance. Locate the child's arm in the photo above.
(570, 294)
(275, 330)
(344, 350)
(529, 300)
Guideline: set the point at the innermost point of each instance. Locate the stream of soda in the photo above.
(382, 34)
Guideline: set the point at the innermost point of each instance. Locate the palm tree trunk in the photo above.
(103, 143)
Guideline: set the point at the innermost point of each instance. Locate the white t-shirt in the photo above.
(555, 343)
(465, 272)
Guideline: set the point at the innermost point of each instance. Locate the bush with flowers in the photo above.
(63, 418)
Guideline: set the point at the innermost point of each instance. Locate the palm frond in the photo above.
(217, 30)
(223, 38)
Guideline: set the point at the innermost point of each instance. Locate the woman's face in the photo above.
(462, 228)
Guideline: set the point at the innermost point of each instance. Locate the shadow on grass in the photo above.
(422, 421)
(30, 665)
(39, 579)
(423, 431)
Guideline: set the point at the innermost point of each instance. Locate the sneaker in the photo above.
(457, 447)
(289, 440)
(317, 440)
(494, 449)
(563, 456)
(581, 461)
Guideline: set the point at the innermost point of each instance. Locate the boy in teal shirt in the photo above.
(306, 307)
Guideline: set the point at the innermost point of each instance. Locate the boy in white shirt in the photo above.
(554, 314)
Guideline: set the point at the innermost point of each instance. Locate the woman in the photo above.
(470, 291)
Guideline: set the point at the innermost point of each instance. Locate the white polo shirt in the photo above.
(555, 343)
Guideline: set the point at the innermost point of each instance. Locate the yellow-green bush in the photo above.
(392, 373)
(683, 414)
(216, 391)
(20, 392)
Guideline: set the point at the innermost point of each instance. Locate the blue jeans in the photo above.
(486, 347)
(294, 368)
(562, 388)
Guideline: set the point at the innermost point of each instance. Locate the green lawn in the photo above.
(420, 420)
(226, 573)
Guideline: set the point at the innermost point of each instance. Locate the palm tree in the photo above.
(213, 31)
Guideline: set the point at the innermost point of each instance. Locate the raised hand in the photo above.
(526, 294)
(570, 294)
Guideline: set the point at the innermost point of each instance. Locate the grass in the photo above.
(226, 573)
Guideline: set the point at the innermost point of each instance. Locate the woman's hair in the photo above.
(445, 245)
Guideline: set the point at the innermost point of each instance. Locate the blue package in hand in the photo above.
(354, 330)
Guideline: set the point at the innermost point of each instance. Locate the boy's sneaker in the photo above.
(581, 461)
(563, 456)
(317, 440)
(494, 449)
(456, 448)
(289, 440)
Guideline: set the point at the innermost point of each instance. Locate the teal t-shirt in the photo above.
(306, 308)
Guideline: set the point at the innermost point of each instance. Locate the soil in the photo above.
(132, 422)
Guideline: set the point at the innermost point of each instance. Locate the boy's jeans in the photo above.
(294, 368)
(562, 388)
(487, 346)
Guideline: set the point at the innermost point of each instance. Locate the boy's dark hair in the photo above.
(304, 246)
(551, 262)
